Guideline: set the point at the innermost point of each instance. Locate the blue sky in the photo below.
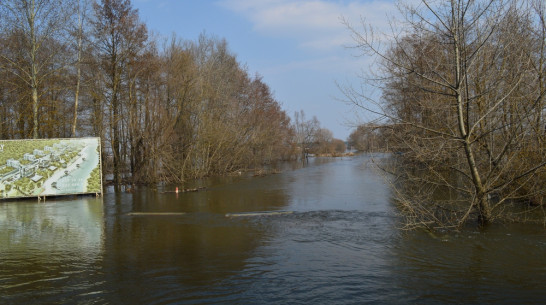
(297, 46)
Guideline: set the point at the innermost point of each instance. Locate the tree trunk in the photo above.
(31, 15)
(115, 140)
(462, 119)
(34, 112)
(78, 75)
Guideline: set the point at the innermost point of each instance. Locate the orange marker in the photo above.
(176, 190)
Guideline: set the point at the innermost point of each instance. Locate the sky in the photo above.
(300, 48)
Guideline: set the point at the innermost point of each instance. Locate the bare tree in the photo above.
(119, 38)
(38, 28)
(82, 8)
(305, 131)
(369, 138)
(459, 93)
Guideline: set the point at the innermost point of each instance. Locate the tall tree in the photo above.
(78, 34)
(38, 31)
(460, 92)
(119, 37)
(305, 132)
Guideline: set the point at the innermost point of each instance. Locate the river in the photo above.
(340, 244)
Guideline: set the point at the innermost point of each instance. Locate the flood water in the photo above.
(341, 245)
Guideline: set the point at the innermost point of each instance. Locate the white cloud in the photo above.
(316, 24)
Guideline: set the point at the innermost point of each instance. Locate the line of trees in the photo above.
(369, 137)
(164, 110)
(463, 101)
(311, 138)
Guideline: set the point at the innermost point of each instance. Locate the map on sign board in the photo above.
(50, 167)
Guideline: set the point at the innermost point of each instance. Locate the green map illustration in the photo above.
(31, 168)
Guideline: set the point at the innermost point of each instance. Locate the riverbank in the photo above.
(336, 155)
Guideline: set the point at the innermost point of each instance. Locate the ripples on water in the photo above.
(322, 257)
(340, 246)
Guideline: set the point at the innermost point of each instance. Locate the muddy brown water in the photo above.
(338, 243)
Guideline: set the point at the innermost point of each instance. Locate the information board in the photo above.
(50, 167)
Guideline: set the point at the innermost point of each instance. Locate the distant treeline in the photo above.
(165, 110)
(369, 138)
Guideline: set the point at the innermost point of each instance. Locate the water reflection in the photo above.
(47, 250)
(184, 256)
(338, 184)
(501, 265)
(38, 226)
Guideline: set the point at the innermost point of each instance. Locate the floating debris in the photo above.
(259, 213)
(197, 189)
(155, 214)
